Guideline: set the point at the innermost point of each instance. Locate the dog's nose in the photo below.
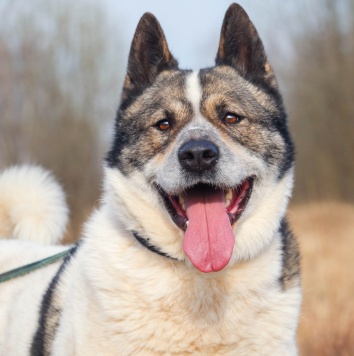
(198, 155)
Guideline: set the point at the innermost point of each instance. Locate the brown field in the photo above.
(326, 235)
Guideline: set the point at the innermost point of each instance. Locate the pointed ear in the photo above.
(149, 55)
(241, 48)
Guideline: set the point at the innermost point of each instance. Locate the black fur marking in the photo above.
(241, 48)
(281, 125)
(289, 155)
(49, 313)
(290, 256)
(146, 243)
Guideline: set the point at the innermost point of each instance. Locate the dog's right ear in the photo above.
(149, 55)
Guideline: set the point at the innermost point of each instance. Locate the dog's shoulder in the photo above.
(290, 274)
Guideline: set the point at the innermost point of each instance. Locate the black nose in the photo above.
(198, 155)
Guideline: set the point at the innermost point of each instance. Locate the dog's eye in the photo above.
(163, 125)
(230, 118)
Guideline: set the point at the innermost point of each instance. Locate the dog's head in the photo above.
(201, 165)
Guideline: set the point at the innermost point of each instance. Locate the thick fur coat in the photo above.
(144, 280)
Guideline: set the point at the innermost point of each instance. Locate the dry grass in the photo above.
(326, 235)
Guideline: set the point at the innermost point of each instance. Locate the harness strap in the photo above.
(23, 270)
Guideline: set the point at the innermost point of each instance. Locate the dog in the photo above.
(189, 252)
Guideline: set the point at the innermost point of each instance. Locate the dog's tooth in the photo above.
(187, 222)
(181, 201)
(228, 196)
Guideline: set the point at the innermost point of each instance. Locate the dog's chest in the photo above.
(205, 317)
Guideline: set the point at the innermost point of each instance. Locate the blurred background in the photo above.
(62, 64)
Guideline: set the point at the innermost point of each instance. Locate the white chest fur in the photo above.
(142, 303)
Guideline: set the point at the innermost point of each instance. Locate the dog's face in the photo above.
(201, 164)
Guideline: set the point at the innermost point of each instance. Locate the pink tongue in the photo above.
(209, 239)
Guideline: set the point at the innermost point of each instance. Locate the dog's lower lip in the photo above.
(235, 207)
(235, 210)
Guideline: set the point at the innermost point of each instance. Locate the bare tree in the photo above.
(59, 86)
(320, 81)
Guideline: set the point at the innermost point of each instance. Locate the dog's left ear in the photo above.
(241, 48)
(149, 55)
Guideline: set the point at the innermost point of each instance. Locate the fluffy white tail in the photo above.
(32, 205)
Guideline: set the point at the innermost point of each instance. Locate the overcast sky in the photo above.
(192, 27)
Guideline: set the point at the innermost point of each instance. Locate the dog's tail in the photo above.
(32, 205)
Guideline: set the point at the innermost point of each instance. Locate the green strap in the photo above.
(21, 271)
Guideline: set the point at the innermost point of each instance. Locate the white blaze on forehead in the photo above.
(194, 92)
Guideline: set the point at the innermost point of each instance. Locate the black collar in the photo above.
(146, 243)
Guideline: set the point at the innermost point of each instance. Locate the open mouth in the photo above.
(206, 214)
(236, 200)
